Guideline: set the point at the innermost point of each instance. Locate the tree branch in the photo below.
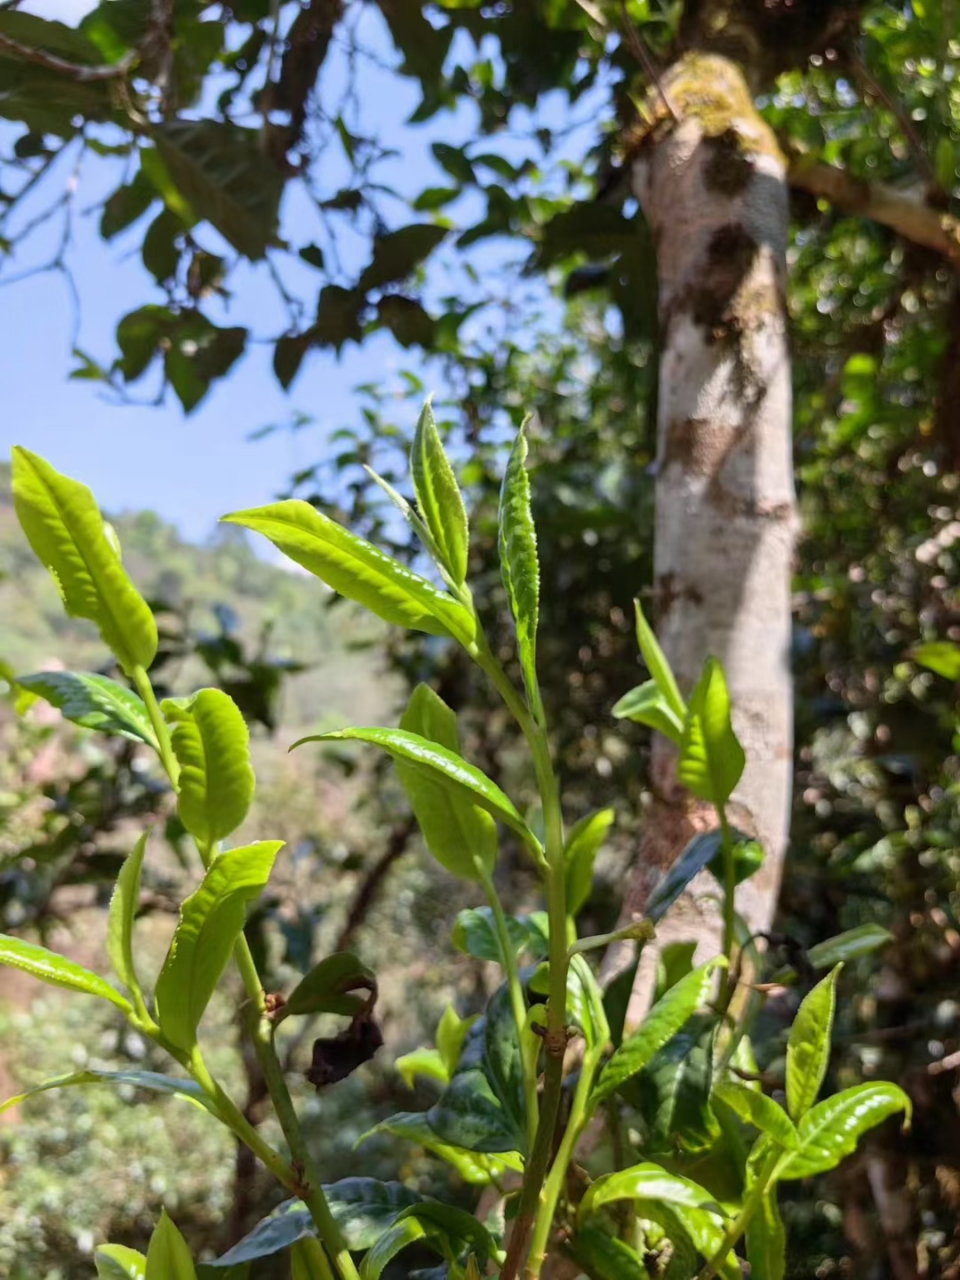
(75, 70)
(905, 211)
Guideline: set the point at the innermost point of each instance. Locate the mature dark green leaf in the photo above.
(409, 322)
(397, 253)
(357, 569)
(212, 744)
(439, 498)
(439, 764)
(168, 1257)
(160, 250)
(338, 316)
(211, 920)
(57, 970)
(760, 1111)
(648, 704)
(364, 1207)
(66, 531)
(189, 1090)
(472, 1112)
(808, 1049)
(472, 1166)
(711, 757)
(672, 1093)
(460, 1227)
(705, 850)
(663, 1022)
(861, 941)
(519, 566)
(128, 203)
(330, 987)
(287, 1224)
(460, 835)
(580, 852)
(117, 1262)
(123, 911)
(223, 173)
(288, 356)
(454, 161)
(93, 701)
(831, 1130)
(433, 198)
(474, 932)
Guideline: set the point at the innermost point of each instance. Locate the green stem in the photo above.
(742, 1221)
(301, 1176)
(547, 1208)
(517, 1001)
(729, 907)
(145, 689)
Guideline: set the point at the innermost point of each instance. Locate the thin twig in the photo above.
(75, 70)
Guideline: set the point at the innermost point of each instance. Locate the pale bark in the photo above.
(711, 181)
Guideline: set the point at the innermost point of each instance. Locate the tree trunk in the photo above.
(710, 179)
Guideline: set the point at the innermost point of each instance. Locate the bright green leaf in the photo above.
(808, 1049)
(939, 656)
(123, 911)
(439, 497)
(57, 970)
(451, 1033)
(94, 702)
(646, 1182)
(211, 920)
(831, 1130)
(760, 1111)
(357, 569)
(851, 945)
(711, 757)
(66, 531)
(663, 1021)
(308, 1261)
(657, 665)
(460, 835)
(188, 1090)
(580, 853)
(767, 1240)
(519, 566)
(438, 763)
(168, 1257)
(395, 1238)
(648, 704)
(117, 1262)
(212, 744)
(422, 1062)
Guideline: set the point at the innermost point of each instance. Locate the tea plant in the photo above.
(520, 1085)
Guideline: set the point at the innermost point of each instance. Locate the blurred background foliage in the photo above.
(541, 298)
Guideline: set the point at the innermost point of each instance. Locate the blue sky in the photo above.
(188, 469)
(191, 470)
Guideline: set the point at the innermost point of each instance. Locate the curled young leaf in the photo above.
(519, 565)
(460, 834)
(647, 704)
(580, 853)
(123, 911)
(211, 920)
(439, 498)
(212, 744)
(760, 1111)
(64, 527)
(808, 1049)
(658, 666)
(711, 757)
(333, 985)
(168, 1257)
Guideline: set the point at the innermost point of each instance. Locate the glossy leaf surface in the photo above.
(123, 911)
(357, 569)
(808, 1049)
(711, 757)
(212, 744)
(94, 702)
(57, 970)
(64, 527)
(439, 498)
(519, 566)
(211, 920)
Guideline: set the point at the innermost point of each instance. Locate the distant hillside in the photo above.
(340, 645)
